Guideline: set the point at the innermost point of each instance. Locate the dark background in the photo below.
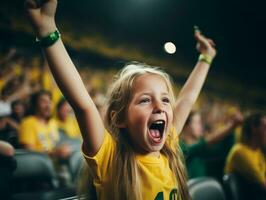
(237, 27)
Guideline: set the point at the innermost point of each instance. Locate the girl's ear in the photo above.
(120, 124)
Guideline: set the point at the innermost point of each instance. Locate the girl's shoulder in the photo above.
(107, 148)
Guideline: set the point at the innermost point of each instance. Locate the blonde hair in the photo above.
(125, 178)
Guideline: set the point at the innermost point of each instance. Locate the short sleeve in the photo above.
(198, 148)
(100, 163)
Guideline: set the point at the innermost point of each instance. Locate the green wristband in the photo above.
(49, 40)
(205, 58)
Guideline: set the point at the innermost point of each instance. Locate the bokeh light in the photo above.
(169, 47)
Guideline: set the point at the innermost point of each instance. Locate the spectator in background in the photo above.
(18, 108)
(5, 103)
(39, 132)
(196, 145)
(246, 158)
(9, 125)
(66, 120)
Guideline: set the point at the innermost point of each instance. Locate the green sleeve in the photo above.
(196, 149)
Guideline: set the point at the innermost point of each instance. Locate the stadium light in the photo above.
(169, 47)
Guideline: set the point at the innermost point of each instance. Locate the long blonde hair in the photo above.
(124, 176)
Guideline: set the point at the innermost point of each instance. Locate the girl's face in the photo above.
(149, 115)
(195, 126)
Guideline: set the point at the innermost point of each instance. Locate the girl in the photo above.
(135, 156)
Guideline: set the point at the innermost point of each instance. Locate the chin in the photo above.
(156, 148)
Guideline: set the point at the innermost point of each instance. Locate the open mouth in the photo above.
(156, 130)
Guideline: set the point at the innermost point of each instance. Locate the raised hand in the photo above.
(237, 118)
(41, 14)
(205, 45)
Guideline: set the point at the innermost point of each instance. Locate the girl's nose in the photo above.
(158, 108)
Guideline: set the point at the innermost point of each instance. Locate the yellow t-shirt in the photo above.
(69, 127)
(43, 137)
(157, 180)
(247, 162)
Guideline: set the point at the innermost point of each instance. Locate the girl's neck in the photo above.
(154, 154)
(141, 152)
(145, 153)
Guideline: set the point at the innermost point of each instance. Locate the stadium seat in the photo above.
(35, 178)
(205, 188)
(231, 186)
(238, 188)
(7, 168)
(34, 171)
(75, 163)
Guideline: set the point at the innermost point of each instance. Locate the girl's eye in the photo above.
(145, 100)
(166, 100)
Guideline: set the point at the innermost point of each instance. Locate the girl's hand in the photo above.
(205, 45)
(41, 14)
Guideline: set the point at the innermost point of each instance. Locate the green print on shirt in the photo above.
(172, 196)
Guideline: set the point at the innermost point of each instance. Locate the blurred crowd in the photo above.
(218, 137)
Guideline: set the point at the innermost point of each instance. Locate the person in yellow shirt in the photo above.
(67, 123)
(39, 132)
(246, 158)
(37, 135)
(156, 176)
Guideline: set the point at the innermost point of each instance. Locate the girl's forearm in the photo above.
(189, 93)
(67, 76)
(72, 87)
(220, 134)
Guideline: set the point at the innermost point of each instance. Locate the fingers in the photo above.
(199, 37)
(211, 42)
(39, 3)
(204, 45)
(31, 4)
(202, 39)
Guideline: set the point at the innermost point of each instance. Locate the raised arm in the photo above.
(66, 76)
(220, 133)
(190, 91)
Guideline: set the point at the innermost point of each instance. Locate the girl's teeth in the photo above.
(158, 122)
